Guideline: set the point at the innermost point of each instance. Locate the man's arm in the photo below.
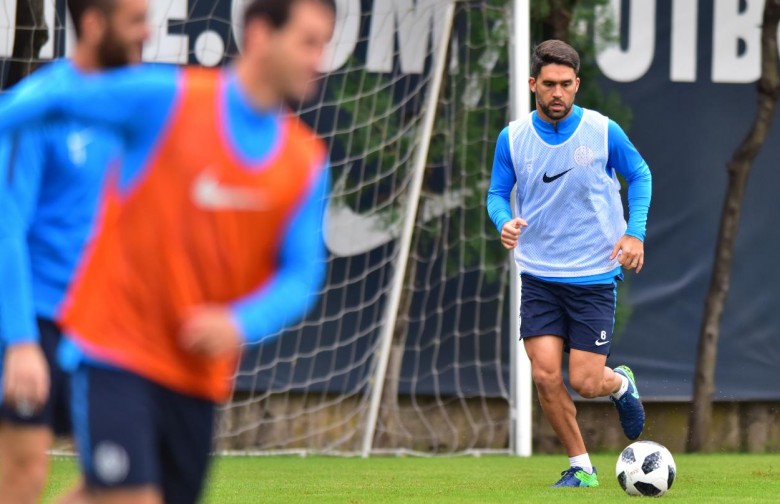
(502, 181)
(25, 381)
(20, 176)
(293, 292)
(132, 99)
(627, 161)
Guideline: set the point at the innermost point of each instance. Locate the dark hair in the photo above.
(554, 52)
(78, 8)
(277, 12)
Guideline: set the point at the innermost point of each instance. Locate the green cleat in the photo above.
(578, 477)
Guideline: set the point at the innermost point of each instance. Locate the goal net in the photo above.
(408, 347)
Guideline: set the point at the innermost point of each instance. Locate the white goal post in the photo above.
(405, 243)
(522, 385)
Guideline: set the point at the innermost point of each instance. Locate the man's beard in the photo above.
(549, 112)
(112, 53)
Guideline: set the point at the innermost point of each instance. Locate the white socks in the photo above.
(623, 388)
(582, 461)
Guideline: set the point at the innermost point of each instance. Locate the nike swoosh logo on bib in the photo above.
(547, 179)
(208, 193)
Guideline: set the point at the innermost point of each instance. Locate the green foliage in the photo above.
(377, 132)
(472, 110)
(591, 26)
(593, 23)
(375, 137)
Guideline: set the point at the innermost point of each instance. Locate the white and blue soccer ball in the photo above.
(646, 468)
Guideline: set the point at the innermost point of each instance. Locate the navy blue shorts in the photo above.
(132, 432)
(583, 315)
(56, 412)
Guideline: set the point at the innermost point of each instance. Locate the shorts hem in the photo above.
(10, 418)
(592, 350)
(537, 335)
(98, 486)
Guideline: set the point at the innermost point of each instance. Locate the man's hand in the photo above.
(26, 378)
(211, 331)
(633, 253)
(511, 232)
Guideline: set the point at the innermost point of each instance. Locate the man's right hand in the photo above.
(25, 378)
(211, 331)
(511, 232)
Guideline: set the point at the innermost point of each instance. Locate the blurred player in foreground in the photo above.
(211, 239)
(52, 176)
(571, 243)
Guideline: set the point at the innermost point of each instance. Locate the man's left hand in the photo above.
(630, 252)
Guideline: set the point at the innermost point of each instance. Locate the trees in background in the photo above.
(738, 170)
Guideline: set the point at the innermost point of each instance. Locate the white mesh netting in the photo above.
(447, 383)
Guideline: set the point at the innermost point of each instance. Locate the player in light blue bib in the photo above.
(571, 243)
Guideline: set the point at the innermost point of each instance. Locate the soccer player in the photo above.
(571, 243)
(211, 238)
(51, 179)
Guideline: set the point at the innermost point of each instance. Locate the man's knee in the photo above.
(588, 387)
(23, 478)
(546, 378)
(27, 468)
(24, 463)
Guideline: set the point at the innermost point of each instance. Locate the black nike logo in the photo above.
(547, 179)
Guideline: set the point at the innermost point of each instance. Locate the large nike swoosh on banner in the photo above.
(349, 233)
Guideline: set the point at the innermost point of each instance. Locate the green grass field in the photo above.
(701, 479)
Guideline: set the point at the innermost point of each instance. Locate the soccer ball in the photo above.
(646, 468)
